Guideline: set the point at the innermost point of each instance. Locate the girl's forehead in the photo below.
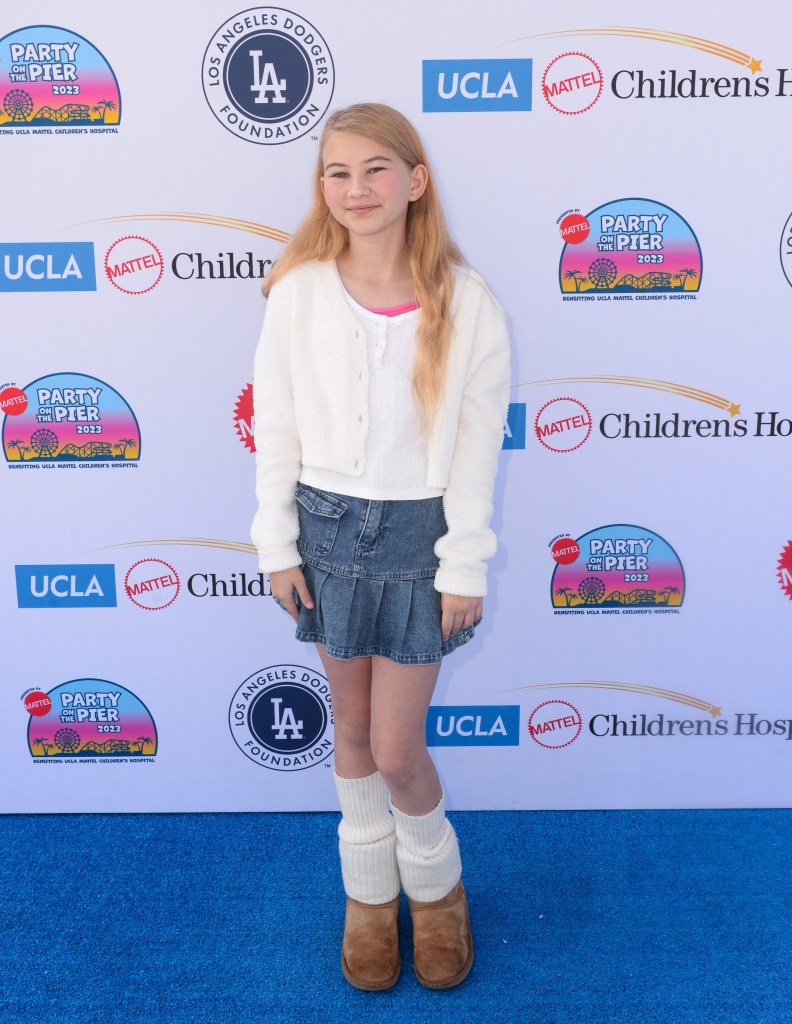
(349, 147)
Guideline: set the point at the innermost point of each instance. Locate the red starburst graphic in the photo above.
(243, 417)
(785, 570)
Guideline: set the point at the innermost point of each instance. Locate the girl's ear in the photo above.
(419, 179)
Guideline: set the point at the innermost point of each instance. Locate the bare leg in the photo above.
(399, 699)
(350, 692)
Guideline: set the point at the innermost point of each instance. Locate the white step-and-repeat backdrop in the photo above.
(625, 190)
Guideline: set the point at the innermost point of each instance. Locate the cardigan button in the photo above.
(360, 418)
(356, 463)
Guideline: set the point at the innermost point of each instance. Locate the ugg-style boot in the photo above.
(370, 952)
(443, 943)
(367, 844)
(427, 852)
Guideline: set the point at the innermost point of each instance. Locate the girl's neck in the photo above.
(376, 275)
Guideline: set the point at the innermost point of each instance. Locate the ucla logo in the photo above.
(514, 427)
(281, 718)
(488, 726)
(268, 75)
(65, 586)
(466, 85)
(47, 267)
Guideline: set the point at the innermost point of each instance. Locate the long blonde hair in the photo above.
(432, 252)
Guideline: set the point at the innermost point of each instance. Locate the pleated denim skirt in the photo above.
(370, 568)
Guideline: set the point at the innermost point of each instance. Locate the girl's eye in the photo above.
(375, 169)
(339, 174)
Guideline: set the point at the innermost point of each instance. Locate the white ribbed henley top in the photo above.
(396, 455)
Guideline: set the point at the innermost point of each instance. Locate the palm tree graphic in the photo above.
(684, 274)
(124, 443)
(143, 740)
(102, 107)
(573, 275)
(43, 742)
(15, 444)
(668, 591)
(565, 592)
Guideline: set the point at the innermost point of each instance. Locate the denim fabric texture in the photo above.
(370, 568)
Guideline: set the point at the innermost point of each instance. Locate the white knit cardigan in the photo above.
(310, 392)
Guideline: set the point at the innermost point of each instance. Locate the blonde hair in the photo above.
(432, 252)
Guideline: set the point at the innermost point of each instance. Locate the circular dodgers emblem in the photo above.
(133, 264)
(268, 75)
(786, 250)
(281, 718)
(555, 724)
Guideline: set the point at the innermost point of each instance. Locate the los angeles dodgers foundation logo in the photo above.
(268, 75)
(281, 718)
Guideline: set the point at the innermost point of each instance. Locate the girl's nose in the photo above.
(358, 187)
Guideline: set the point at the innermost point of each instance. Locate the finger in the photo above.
(446, 625)
(303, 593)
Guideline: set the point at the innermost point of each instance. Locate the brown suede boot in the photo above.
(443, 943)
(370, 952)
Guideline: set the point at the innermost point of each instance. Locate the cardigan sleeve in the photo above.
(278, 449)
(468, 496)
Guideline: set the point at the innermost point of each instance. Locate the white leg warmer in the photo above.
(367, 840)
(427, 853)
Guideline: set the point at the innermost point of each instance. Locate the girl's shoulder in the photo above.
(471, 287)
(309, 272)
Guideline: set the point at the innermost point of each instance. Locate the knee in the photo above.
(398, 765)
(353, 734)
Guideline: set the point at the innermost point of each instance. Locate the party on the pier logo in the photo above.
(71, 420)
(55, 82)
(615, 570)
(628, 249)
(89, 720)
(281, 718)
(268, 75)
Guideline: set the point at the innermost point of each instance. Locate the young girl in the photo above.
(381, 388)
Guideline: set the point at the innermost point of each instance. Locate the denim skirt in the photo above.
(370, 568)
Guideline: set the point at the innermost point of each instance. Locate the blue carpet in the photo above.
(641, 917)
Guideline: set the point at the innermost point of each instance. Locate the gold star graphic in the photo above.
(754, 66)
(715, 712)
(733, 409)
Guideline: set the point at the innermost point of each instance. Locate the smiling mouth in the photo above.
(360, 209)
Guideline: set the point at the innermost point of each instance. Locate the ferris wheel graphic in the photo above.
(68, 740)
(591, 590)
(44, 443)
(18, 105)
(602, 273)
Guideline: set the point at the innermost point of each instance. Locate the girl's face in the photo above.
(367, 187)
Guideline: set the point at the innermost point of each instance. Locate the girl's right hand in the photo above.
(283, 585)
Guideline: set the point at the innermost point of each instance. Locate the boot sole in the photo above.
(370, 986)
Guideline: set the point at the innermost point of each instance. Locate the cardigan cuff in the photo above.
(460, 584)
(286, 557)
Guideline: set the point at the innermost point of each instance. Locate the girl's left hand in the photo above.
(458, 613)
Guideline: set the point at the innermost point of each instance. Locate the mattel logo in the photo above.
(65, 586)
(514, 427)
(488, 726)
(467, 85)
(47, 267)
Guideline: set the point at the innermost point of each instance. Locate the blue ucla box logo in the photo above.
(47, 267)
(66, 586)
(514, 428)
(487, 726)
(467, 85)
